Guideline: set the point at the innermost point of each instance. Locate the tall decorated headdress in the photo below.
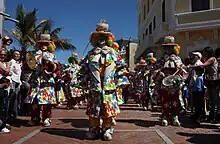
(45, 38)
(73, 58)
(170, 41)
(102, 29)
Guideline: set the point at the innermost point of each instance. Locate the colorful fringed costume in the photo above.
(42, 83)
(140, 82)
(149, 86)
(171, 67)
(71, 87)
(105, 71)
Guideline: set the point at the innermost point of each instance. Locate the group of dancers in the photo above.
(101, 76)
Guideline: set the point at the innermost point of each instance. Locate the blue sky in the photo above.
(79, 18)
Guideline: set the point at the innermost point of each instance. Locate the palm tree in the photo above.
(61, 43)
(27, 31)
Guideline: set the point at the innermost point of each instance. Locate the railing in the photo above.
(197, 17)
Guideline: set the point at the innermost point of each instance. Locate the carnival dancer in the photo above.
(105, 71)
(140, 82)
(58, 86)
(119, 89)
(172, 67)
(42, 82)
(151, 60)
(74, 92)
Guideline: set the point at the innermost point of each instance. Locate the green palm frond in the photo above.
(20, 15)
(47, 26)
(29, 22)
(40, 25)
(27, 32)
(56, 31)
(17, 34)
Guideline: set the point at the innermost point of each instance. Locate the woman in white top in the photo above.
(16, 82)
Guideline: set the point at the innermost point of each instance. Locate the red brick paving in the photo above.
(119, 138)
(132, 118)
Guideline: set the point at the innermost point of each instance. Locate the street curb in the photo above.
(27, 137)
(163, 136)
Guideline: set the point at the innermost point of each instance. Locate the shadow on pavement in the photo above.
(129, 105)
(187, 122)
(84, 123)
(156, 115)
(201, 138)
(142, 123)
(77, 123)
(64, 107)
(19, 122)
(70, 133)
(132, 108)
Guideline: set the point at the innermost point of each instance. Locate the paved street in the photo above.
(133, 126)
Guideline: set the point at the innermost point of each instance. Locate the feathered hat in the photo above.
(151, 58)
(115, 46)
(102, 29)
(142, 62)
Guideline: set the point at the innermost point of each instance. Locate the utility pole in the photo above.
(2, 10)
(4, 16)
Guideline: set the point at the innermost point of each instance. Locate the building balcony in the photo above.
(198, 20)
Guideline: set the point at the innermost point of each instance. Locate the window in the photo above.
(154, 23)
(144, 11)
(199, 5)
(148, 5)
(139, 19)
(146, 32)
(164, 11)
(150, 28)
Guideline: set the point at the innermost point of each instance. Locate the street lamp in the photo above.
(11, 19)
(4, 16)
(8, 17)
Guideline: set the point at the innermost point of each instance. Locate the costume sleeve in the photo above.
(121, 72)
(83, 74)
(55, 58)
(178, 62)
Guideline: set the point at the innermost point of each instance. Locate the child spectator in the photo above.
(198, 92)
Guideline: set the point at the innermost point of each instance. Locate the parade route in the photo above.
(133, 126)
